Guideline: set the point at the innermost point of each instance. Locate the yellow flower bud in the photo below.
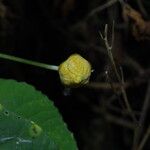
(75, 71)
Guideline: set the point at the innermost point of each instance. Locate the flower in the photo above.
(75, 71)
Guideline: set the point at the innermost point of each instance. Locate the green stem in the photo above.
(29, 62)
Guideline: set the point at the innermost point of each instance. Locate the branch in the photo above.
(145, 138)
(140, 127)
(120, 79)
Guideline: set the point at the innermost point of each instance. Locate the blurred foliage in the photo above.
(51, 30)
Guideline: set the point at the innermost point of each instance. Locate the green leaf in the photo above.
(23, 100)
(19, 133)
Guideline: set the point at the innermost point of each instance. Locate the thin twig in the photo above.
(144, 140)
(119, 121)
(120, 111)
(141, 7)
(103, 7)
(116, 92)
(106, 86)
(97, 10)
(109, 48)
(131, 62)
(100, 8)
(126, 98)
(114, 119)
(137, 81)
(140, 127)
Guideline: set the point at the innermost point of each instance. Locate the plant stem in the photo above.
(29, 62)
(121, 81)
(139, 129)
(145, 138)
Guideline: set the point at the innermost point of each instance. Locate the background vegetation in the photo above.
(49, 31)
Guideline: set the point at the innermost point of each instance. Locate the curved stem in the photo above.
(29, 62)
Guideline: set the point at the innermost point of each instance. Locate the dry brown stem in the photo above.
(140, 27)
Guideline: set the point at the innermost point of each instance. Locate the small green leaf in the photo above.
(23, 100)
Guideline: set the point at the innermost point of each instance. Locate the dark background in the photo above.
(49, 31)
